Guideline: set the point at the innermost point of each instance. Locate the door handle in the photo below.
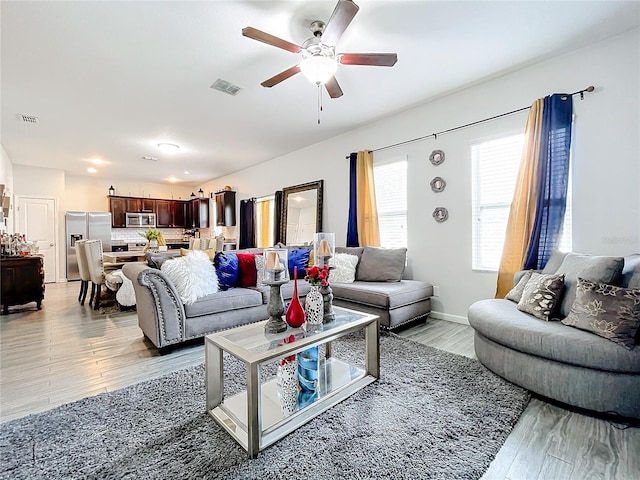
(51, 244)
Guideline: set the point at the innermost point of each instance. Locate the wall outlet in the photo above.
(436, 291)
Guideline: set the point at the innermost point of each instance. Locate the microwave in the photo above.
(140, 220)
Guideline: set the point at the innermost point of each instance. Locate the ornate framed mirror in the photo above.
(301, 213)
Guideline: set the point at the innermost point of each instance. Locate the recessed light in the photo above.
(186, 172)
(168, 147)
(96, 161)
(172, 179)
(92, 170)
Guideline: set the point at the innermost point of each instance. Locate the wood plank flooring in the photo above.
(65, 352)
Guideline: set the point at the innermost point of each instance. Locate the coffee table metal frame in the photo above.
(253, 417)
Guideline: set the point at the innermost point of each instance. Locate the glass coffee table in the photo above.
(258, 417)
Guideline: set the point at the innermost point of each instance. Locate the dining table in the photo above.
(120, 257)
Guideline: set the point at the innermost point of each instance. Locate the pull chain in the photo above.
(319, 101)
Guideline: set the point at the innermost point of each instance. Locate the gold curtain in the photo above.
(523, 207)
(368, 231)
(266, 224)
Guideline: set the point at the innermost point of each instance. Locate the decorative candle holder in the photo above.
(275, 275)
(324, 247)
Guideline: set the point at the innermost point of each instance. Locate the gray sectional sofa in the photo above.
(557, 361)
(166, 321)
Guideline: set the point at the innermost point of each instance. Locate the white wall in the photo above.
(606, 167)
(6, 178)
(81, 193)
(90, 194)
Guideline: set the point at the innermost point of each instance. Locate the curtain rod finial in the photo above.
(590, 88)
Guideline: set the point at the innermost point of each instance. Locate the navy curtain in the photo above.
(248, 223)
(553, 177)
(352, 225)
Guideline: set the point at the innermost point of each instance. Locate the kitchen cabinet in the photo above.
(226, 208)
(22, 281)
(171, 213)
(198, 213)
(118, 209)
(133, 204)
(147, 205)
(179, 212)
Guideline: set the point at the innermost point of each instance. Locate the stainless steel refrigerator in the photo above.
(85, 226)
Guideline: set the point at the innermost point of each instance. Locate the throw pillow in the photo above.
(247, 273)
(209, 251)
(599, 269)
(382, 264)
(299, 258)
(515, 294)
(227, 268)
(345, 268)
(541, 295)
(609, 311)
(193, 276)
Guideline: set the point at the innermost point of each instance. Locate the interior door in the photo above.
(37, 219)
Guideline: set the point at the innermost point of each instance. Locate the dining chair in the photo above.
(83, 269)
(96, 271)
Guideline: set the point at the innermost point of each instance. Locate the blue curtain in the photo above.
(553, 177)
(352, 225)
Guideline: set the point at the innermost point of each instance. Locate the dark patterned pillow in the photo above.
(515, 294)
(608, 311)
(541, 295)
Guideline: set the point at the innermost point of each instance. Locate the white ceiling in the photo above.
(109, 80)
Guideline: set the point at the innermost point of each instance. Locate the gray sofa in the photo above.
(557, 361)
(396, 301)
(166, 321)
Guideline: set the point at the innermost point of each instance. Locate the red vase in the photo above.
(295, 312)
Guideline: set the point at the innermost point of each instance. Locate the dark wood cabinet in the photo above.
(171, 213)
(164, 213)
(118, 209)
(147, 205)
(226, 208)
(198, 215)
(179, 212)
(133, 204)
(22, 281)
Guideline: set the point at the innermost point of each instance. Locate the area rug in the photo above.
(432, 415)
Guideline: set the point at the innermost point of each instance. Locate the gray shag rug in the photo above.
(432, 415)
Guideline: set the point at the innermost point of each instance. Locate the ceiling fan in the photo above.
(319, 58)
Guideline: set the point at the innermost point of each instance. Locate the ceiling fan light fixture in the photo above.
(318, 68)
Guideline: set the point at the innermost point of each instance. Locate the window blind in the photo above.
(391, 199)
(495, 167)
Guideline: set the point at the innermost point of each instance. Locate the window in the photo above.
(495, 167)
(391, 198)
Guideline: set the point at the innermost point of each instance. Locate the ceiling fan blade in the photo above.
(270, 39)
(340, 19)
(375, 59)
(333, 88)
(276, 79)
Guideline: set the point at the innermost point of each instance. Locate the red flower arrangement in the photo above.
(317, 276)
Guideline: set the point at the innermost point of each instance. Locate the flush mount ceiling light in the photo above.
(168, 147)
(92, 170)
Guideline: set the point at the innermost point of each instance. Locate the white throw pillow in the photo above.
(193, 275)
(345, 268)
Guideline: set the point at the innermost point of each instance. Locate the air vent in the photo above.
(151, 159)
(28, 119)
(226, 87)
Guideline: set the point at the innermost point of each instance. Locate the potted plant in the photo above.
(153, 236)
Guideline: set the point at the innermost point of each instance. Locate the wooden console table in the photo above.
(22, 281)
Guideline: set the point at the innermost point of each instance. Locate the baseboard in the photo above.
(449, 318)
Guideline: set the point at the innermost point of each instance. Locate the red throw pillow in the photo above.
(247, 270)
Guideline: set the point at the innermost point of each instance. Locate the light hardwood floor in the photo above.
(65, 352)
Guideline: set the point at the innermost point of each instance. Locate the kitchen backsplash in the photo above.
(134, 235)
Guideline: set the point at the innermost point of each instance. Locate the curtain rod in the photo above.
(435, 135)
